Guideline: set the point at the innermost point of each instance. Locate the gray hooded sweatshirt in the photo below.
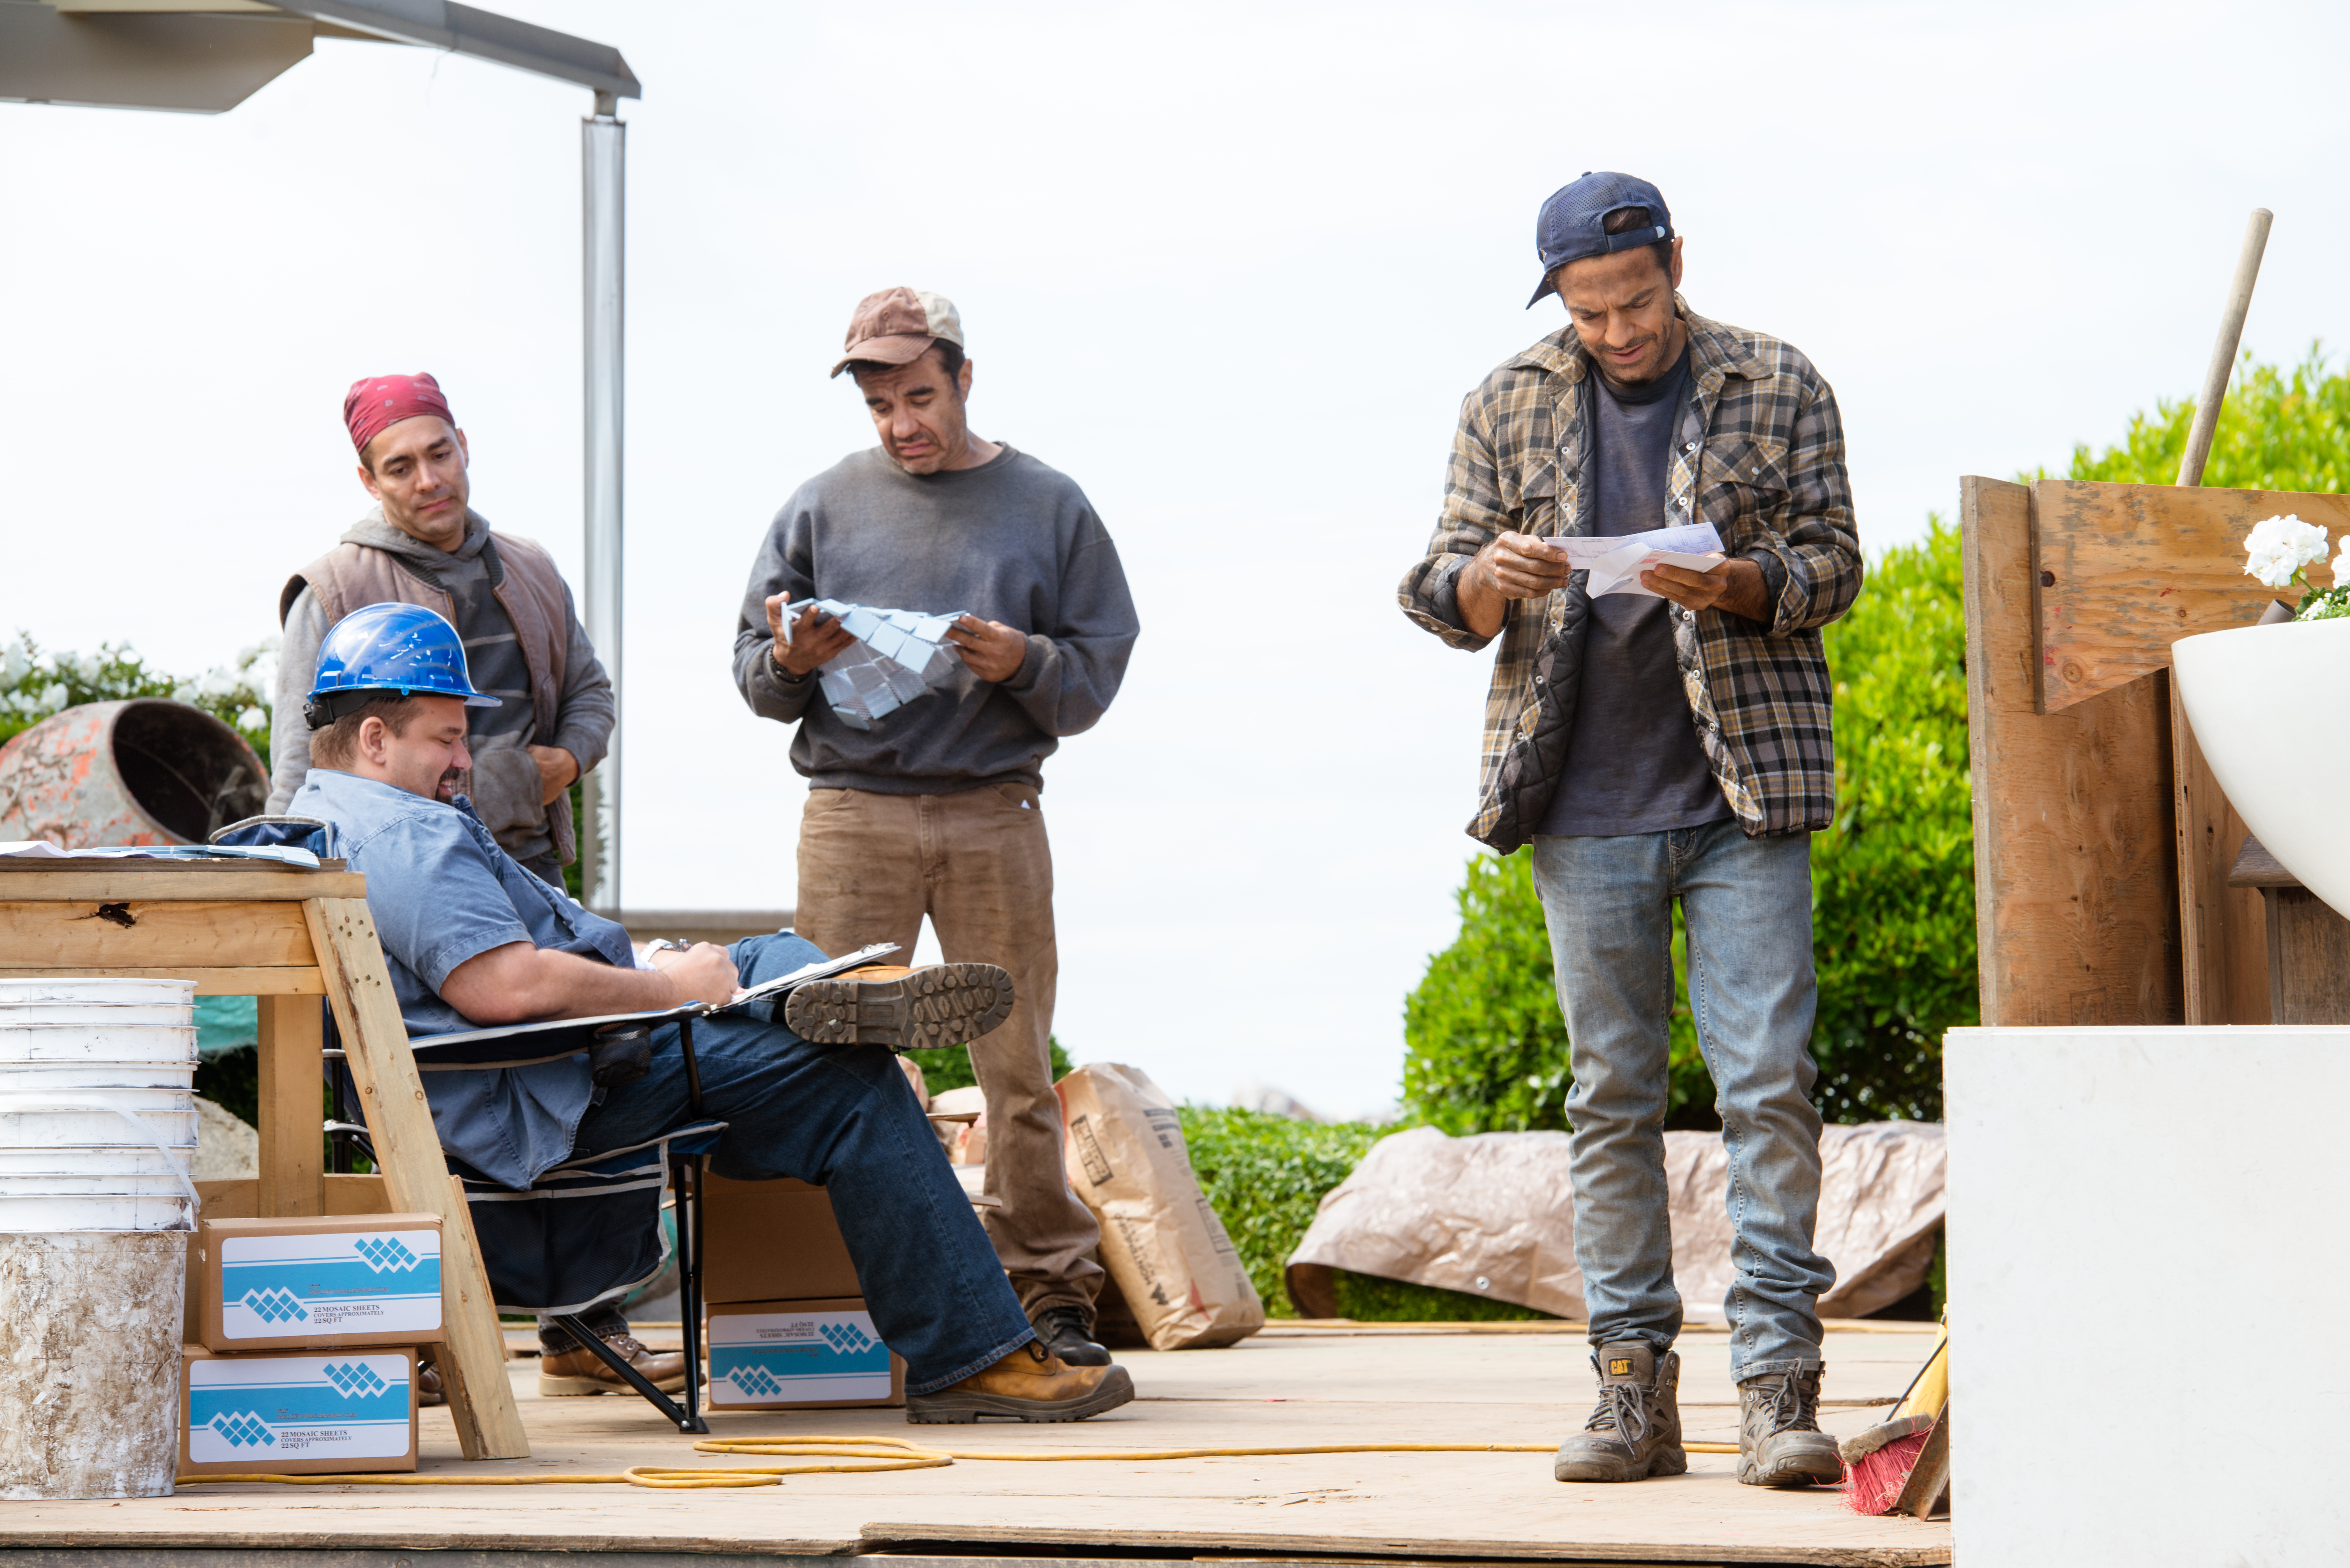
(505, 782)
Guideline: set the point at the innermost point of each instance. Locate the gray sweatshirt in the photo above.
(1011, 541)
(505, 782)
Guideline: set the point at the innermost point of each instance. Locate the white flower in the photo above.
(87, 666)
(54, 698)
(185, 691)
(251, 719)
(15, 664)
(2278, 549)
(2342, 565)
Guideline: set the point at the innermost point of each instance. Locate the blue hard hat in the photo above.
(388, 648)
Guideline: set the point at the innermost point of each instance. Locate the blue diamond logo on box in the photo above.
(377, 1283)
(298, 1407)
(781, 1356)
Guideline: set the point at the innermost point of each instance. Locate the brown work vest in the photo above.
(530, 590)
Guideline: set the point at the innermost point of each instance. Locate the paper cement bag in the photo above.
(1160, 1240)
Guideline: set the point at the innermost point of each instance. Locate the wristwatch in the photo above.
(776, 665)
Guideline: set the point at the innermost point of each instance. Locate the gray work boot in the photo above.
(1636, 1430)
(1779, 1439)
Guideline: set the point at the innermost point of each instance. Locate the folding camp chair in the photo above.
(587, 1232)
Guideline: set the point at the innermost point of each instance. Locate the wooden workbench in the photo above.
(288, 938)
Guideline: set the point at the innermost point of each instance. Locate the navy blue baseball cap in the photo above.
(1573, 221)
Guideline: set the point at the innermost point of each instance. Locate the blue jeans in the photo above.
(1747, 903)
(844, 1117)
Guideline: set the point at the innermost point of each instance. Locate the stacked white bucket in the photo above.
(97, 1130)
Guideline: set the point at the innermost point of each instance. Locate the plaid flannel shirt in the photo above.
(1758, 450)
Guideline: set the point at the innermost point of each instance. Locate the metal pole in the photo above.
(2223, 352)
(603, 163)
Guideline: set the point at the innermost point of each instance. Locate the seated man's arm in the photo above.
(519, 984)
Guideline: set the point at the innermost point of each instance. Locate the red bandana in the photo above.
(374, 405)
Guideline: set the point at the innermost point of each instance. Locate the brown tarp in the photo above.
(1493, 1215)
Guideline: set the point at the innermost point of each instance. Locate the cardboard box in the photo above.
(300, 1414)
(270, 1285)
(799, 1355)
(772, 1241)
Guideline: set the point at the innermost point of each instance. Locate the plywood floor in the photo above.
(1287, 1387)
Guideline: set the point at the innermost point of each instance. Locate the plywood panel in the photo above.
(2223, 954)
(133, 933)
(2077, 867)
(2122, 571)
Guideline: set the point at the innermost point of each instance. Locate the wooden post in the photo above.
(408, 1151)
(2077, 897)
(293, 1142)
(2222, 946)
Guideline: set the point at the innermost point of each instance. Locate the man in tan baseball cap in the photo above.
(933, 809)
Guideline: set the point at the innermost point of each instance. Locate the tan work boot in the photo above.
(904, 1009)
(1779, 1439)
(581, 1371)
(1029, 1384)
(1635, 1431)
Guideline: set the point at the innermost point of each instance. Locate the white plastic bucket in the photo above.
(124, 1159)
(54, 1215)
(66, 1077)
(115, 1014)
(98, 1042)
(94, 1117)
(102, 990)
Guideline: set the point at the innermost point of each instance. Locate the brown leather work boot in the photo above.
(580, 1371)
(1029, 1384)
(1779, 1439)
(1636, 1430)
(904, 1009)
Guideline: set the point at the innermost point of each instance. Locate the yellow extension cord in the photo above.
(894, 1454)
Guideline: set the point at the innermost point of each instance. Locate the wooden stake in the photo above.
(2224, 351)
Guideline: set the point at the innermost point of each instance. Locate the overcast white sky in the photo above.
(1231, 266)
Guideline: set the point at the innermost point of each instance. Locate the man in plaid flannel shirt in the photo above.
(1675, 744)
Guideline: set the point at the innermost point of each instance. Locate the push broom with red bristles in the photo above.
(1880, 1463)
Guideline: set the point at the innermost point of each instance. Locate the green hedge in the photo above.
(1265, 1175)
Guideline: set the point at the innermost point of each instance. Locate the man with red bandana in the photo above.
(422, 544)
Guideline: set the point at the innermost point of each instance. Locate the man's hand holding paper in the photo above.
(1617, 562)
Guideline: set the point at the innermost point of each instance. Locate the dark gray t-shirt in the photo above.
(1633, 763)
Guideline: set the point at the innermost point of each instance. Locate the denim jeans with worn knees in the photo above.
(1747, 903)
(844, 1117)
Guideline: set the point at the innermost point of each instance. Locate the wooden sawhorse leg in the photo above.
(416, 1176)
(292, 1061)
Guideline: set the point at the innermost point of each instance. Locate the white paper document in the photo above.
(897, 656)
(1615, 563)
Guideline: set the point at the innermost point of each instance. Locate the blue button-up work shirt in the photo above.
(441, 892)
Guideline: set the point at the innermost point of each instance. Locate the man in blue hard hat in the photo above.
(1667, 738)
(475, 940)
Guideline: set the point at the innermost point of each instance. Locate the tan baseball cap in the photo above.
(898, 325)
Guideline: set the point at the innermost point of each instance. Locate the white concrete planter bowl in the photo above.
(2271, 708)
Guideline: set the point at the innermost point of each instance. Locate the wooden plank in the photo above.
(303, 981)
(136, 934)
(416, 1174)
(2119, 572)
(2256, 867)
(292, 1109)
(2077, 867)
(240, 1199)
(2223, 942)
(2308, 958)
(158, 880)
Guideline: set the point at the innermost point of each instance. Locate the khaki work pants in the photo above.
(977, 863)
